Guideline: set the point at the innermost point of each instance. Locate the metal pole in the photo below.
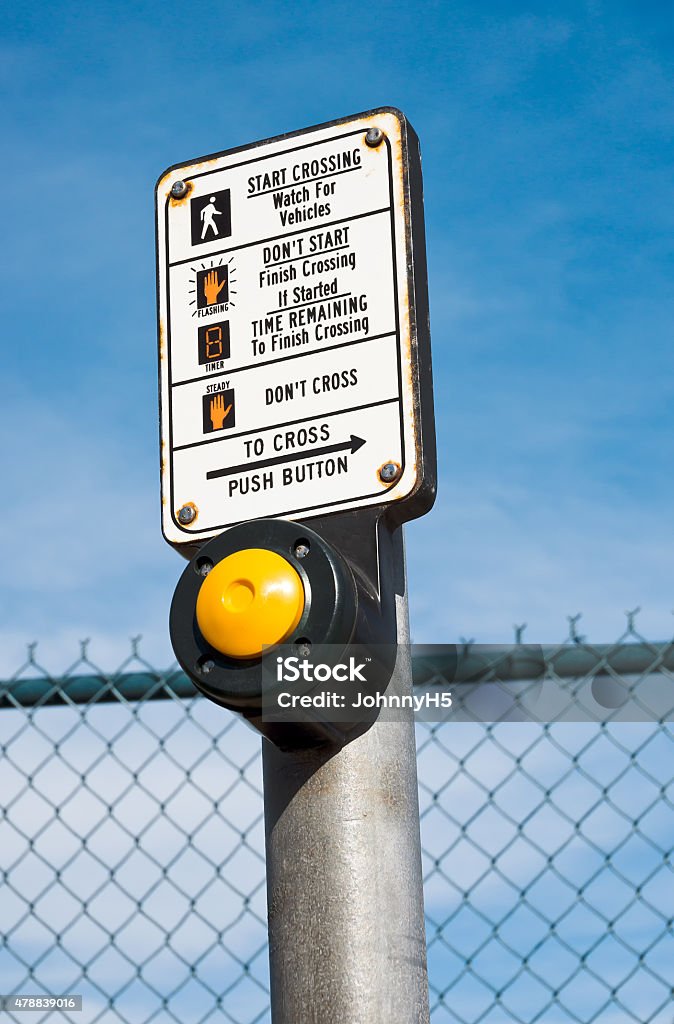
(344, 886)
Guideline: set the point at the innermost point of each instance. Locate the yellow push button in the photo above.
(250, 600)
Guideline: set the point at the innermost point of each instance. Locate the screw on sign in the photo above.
(179, 189)
(374, 136)
(389, 472)
(187, 514)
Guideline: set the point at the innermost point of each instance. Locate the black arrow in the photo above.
(353, 444)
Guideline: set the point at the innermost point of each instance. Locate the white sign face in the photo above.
(285, 339)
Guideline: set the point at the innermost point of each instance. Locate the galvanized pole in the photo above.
(344, 885)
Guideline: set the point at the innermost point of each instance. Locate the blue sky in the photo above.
(546, 134)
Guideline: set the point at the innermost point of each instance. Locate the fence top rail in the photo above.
(433, 665)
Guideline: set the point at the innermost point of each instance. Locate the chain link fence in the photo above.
(132, 852)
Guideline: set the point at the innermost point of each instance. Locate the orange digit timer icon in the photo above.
(213, 342)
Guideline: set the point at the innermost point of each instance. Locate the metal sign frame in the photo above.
(409, 494)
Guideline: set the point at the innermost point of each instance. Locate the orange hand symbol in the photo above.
(218, 412)
(212, 287)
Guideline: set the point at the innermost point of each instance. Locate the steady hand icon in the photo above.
(212, 287)
(218, 412)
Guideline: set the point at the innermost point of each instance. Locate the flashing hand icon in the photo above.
(212, 287)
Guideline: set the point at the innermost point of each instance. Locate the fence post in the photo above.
(344, 885)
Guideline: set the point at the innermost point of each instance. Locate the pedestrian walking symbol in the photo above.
(218, 410)
(211, 216)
